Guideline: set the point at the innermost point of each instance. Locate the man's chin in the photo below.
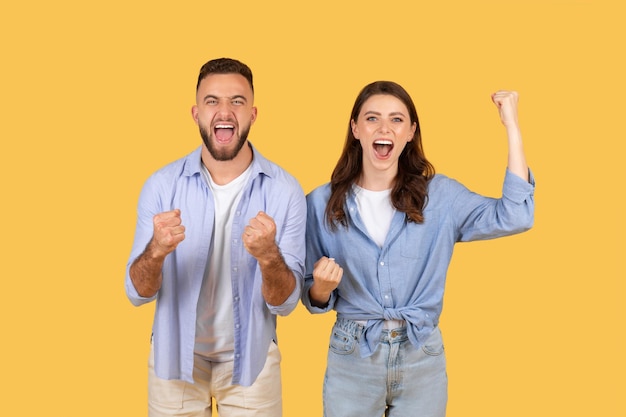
(223, 153)
(223, 156)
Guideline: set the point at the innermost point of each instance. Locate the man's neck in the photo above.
(223, 172)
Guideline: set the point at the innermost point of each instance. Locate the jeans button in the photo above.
(394, 333)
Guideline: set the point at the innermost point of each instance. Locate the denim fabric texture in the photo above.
(397, 380)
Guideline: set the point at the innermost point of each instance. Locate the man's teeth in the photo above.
(224, 127)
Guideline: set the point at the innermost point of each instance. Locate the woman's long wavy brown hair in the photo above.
(409, 192)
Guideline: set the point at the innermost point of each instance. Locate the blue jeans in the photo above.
(397, 380)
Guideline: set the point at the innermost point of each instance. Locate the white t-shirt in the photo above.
(376, 211)
(214, 322)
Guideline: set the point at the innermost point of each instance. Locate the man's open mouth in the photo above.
(224, 131)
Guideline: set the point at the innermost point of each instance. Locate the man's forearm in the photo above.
(146, 272)
(278, 280)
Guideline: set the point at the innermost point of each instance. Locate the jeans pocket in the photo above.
(434, 344)
(342, 342)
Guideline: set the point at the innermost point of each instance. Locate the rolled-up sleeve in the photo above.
(292, 245)
(147, 207)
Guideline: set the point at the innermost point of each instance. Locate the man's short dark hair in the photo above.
(225, 66)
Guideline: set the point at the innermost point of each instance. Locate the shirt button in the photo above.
(235, 268)
(382, 263)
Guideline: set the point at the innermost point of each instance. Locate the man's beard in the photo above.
(223, 154)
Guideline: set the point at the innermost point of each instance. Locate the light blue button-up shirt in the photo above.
(181, 185)
(405, 279)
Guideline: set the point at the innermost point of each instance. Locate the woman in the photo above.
(380, 237)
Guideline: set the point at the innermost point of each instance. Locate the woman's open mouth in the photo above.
(383, 148)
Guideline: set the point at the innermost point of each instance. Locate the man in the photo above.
(219, 244)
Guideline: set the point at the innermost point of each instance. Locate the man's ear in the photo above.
(254, 115)
(194, 113)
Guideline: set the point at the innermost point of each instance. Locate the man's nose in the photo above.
(224, 107)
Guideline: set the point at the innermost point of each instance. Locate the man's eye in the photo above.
(211, 102)
(238, 102)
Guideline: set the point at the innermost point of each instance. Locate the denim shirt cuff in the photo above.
(517, 189)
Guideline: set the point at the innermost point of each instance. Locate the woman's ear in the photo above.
(355, 129)
(412, 135)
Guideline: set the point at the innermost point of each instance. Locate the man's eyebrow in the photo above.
(237, 96)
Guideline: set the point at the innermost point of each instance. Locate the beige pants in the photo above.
(213, 381)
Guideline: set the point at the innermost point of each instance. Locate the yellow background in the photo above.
(95, 96)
